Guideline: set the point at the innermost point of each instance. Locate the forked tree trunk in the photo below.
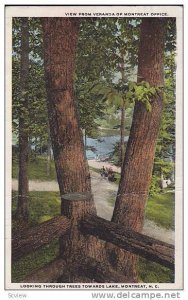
(60, 40)
(138, 163)
(22, 206)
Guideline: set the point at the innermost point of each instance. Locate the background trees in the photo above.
(29, 113)
(37, 116)
(22, 208)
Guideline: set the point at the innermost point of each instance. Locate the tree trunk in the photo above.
(77, 246)
(76, 207)
(60, 40)
(138, 163)
(22, 207)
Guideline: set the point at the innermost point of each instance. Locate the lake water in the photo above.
(103, 145)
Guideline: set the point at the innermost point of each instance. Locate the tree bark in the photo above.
(92, 270)
(76, 207)
(134, 242)
(60, 40)
(138, 163)
(22, 206)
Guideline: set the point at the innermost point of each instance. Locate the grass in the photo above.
(150, 272)
(42, 207)
(29, 263)
(160, 209)
(37, 169)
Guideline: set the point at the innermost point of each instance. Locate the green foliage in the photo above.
(110, 119)
(155, 186)
(142, 91)
(37, 169)
(106, 47)
(109, 94)
(102, 44)
(128, 93)
(90, 108)
(170, 41)
(115, 155)
(165, 149)
(35, 117)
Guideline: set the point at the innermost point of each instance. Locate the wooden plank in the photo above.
(137, 243)
(38, 236)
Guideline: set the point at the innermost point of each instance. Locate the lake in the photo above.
(102, 145)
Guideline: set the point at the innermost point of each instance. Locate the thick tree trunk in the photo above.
(138, 163)
(22, 207)
(89, 269)
(76, 207)
(60, 40)
(76, 245)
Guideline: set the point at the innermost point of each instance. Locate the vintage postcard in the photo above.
(94, 106)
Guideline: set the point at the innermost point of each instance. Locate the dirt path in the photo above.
(104, 193)
(99, 164)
